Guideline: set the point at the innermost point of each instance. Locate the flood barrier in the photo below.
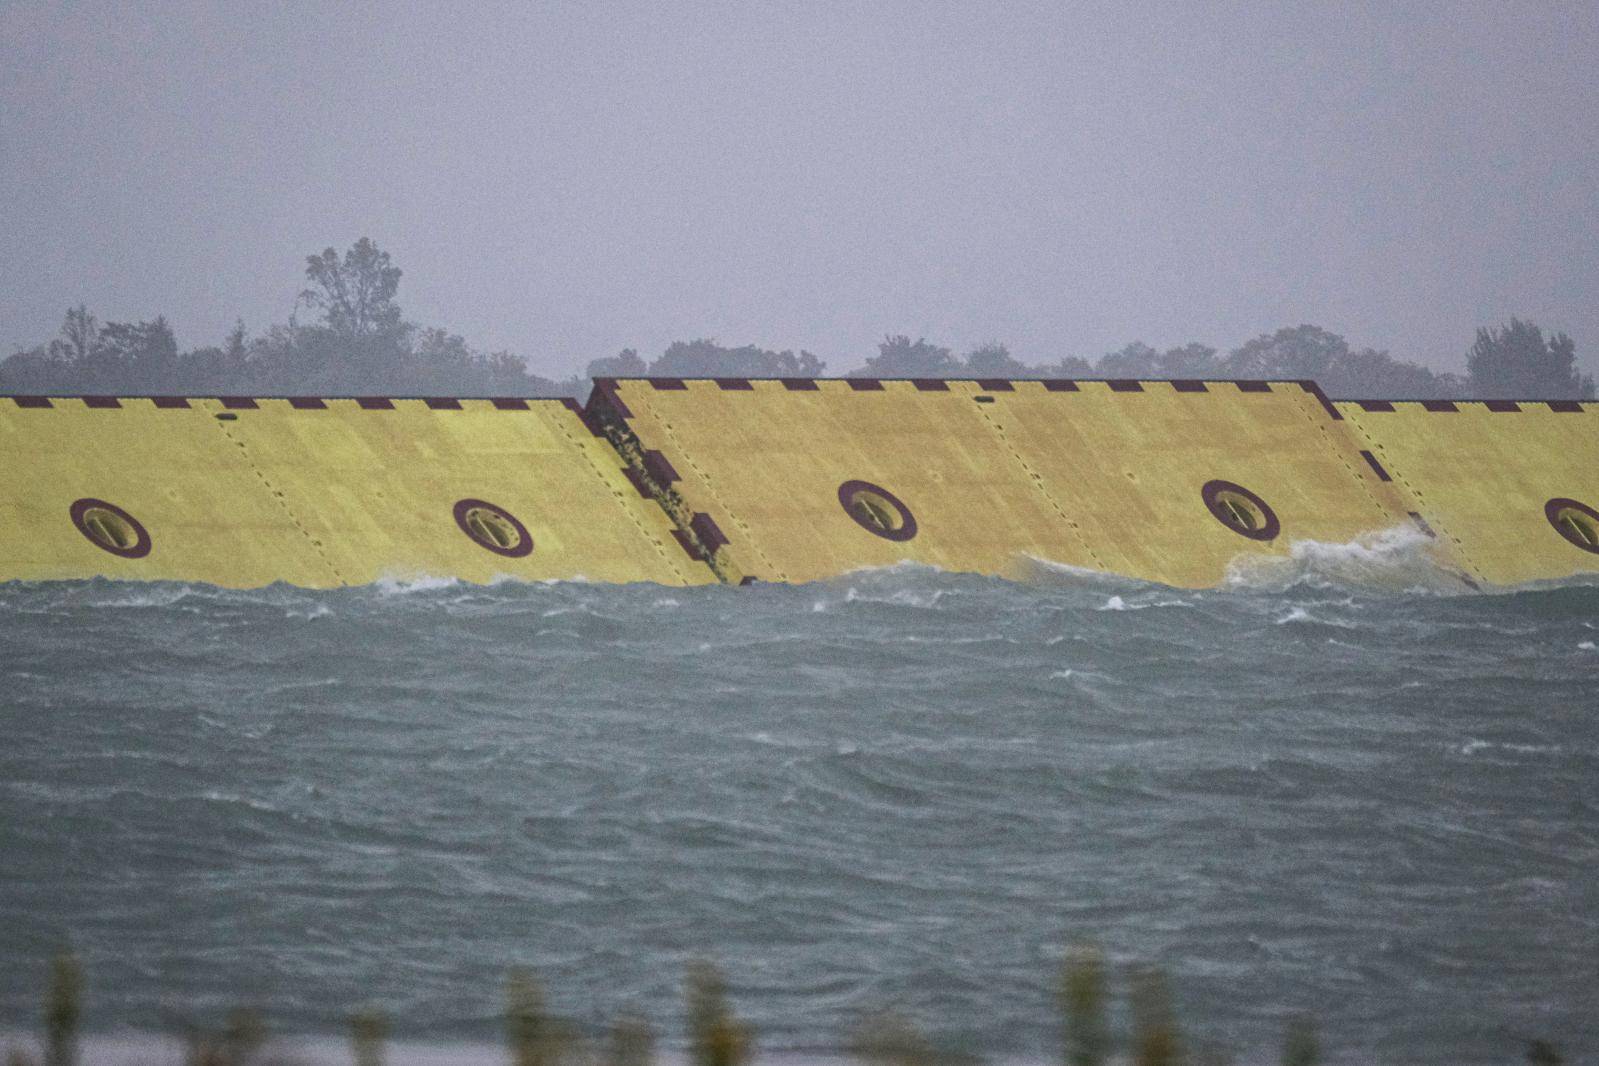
(1512, 486)
(1159, 480)
(742, 480)
(242, 492)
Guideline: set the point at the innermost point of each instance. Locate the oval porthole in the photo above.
(1575, 521)
(493, 528)
(1240, 510)
(110, 528)
(877, 510)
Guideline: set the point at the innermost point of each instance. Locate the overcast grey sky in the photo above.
(567, 179)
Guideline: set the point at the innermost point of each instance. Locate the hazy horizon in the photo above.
(565, 184)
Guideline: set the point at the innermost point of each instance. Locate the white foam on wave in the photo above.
(1399, 559)
(406, 586)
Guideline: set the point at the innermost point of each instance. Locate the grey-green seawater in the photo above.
(1369, 801)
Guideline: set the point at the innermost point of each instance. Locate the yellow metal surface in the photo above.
(1481, 478)
(1098, 478)
(320, 497)
(208, 514)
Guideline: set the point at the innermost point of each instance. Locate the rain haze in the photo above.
(565, 181)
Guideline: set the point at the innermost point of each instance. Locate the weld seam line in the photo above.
(710, 487)
(1038, 483)
(1399, 476)
(283, 502)
(622, 501)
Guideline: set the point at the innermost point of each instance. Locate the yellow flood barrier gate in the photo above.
(693, 481)
(243, 492)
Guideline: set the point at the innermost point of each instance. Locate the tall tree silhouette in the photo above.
(355, 294)
(1518, 362)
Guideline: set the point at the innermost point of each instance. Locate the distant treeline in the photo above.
(361, 343)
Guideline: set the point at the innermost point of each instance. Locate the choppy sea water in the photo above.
(1334, 787)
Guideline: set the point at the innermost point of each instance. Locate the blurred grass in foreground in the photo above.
(716, 1036)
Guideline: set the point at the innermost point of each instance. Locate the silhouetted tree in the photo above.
(899, 357)
(624, 364)
(79, 334)
(706, 358)
(1291, 352)
(993, 360)
(1518, 362)
(355, 294)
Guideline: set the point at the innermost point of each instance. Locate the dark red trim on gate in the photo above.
(1327, 405)
(706, 529)
(660, 468)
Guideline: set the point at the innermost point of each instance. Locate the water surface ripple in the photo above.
(900, 788)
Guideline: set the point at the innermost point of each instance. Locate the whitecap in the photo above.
(1400, 559)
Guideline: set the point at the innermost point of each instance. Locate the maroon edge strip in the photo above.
(307, 403)
(1254, 386)
(604, 394)
(32, 401)
(659, 467)
(1125, 385)
(442, 403)
(734, 384)
(1190, 386)
(237, 403)
(930, 384)
(510, 403)
(374, 403)
(688, 546)
(706, 529)
(1440, 406)
(668, 384)
(865, 384)
(1421, 523)
(636, 479)
(590, 422)
(1566, 407)
(1375, 406)
(170, 403)
(800, 384)
(1377, 468)
(101, 403)
(1060, 385)
(995, 385)
(1327, 405)
(1502, 406)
